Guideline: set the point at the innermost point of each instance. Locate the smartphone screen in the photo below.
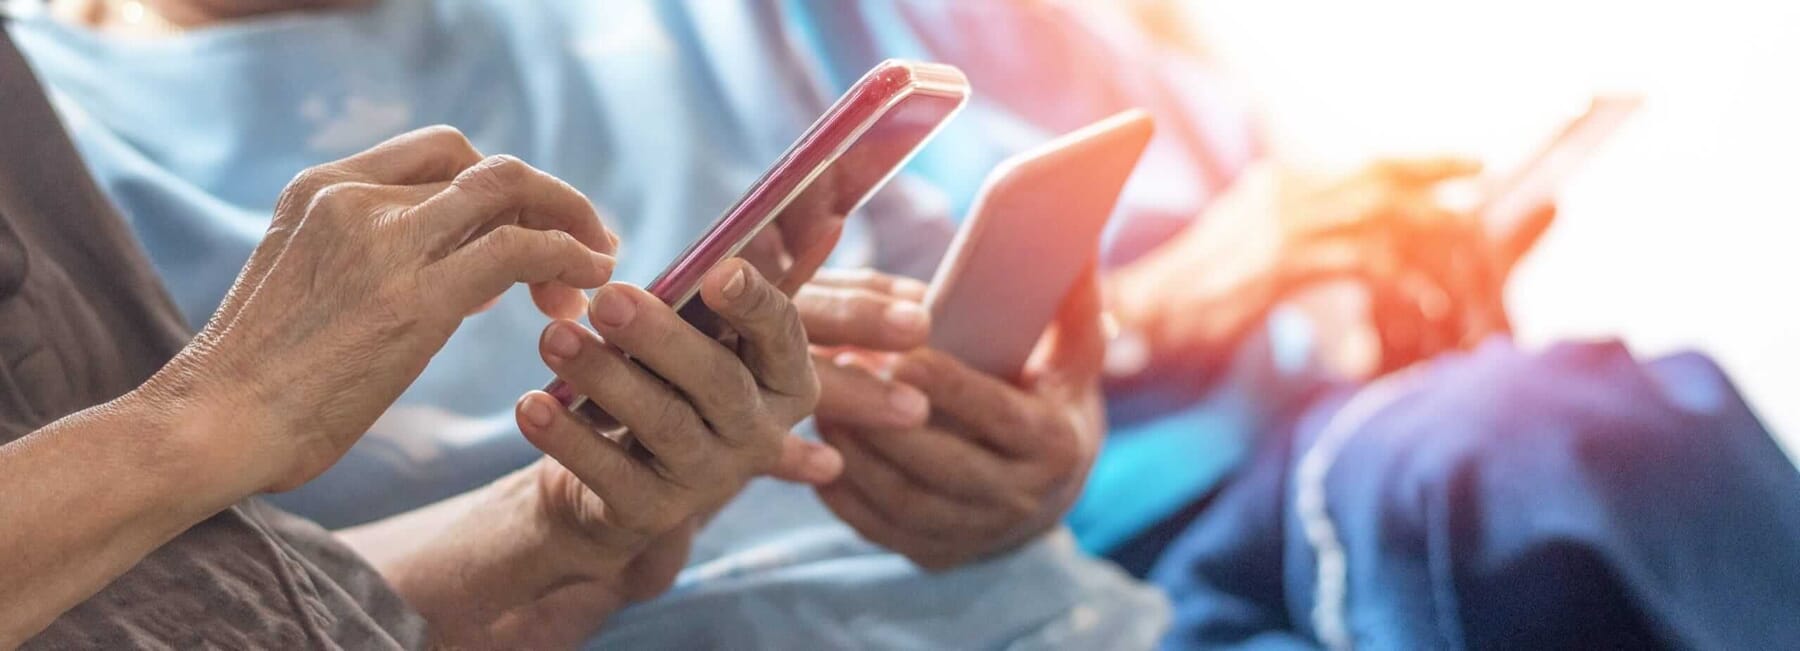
(787, 223)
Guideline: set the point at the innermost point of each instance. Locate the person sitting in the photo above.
(130, 452)
(665, 167)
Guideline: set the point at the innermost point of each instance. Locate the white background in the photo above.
(1680, 234)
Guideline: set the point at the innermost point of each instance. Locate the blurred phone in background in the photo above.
(1511, 208)
(1514, 199)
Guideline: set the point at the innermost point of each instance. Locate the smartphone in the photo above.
(1533, 185)
(794, 212)
(1032, 231)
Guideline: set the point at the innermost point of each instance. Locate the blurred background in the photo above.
(1680, 233)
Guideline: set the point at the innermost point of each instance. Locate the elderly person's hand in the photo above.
(944, 464)
(541, 558)
(369, 265)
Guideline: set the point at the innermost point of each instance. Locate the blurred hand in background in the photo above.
(1433, 280)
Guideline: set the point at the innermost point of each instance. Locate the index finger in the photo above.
(853, 316)
(773, 341)
(429, 155)
(502, 190)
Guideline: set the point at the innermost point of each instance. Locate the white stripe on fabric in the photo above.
(1330, 616)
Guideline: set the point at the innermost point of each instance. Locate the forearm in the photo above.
(87, 497)
(480, 565)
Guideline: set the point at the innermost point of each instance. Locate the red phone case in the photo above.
(848, 154)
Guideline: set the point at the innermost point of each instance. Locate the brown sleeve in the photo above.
(83, 319)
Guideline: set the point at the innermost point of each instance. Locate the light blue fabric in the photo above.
(648, 108)
(660, 111)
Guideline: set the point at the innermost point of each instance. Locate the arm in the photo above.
(86, 497)
(542, 557)
(327, 324)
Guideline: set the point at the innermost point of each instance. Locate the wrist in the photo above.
(479, 574)
(556, 500)
(211, 429)
(193, 433)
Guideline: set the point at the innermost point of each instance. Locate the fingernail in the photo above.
(562, 341)
(735, 287)
(612, 307)
(908, 402)
(537, 414)
(905, 318)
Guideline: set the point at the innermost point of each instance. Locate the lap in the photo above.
(1506, 497)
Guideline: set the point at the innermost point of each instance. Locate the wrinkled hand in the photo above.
(368, 266)
(704, 419)
(944, 464)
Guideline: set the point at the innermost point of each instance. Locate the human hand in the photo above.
(849, 314)
(1435, 280)
(993, 466)
(615, 520)
(369, 265)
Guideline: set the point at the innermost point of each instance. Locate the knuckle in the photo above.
(337, 200)
(500, 246)
(759, 303)
(557, 244)
(670, 417)
(448, 139)
(734, 384)
(310, 181)
(493, 175)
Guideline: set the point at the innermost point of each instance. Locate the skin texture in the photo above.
(543, 557)
(369, 265)
(944, 464)
(328, 322)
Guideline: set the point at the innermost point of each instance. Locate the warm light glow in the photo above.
(1680, 234)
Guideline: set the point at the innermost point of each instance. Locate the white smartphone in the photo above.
(1034, 228)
